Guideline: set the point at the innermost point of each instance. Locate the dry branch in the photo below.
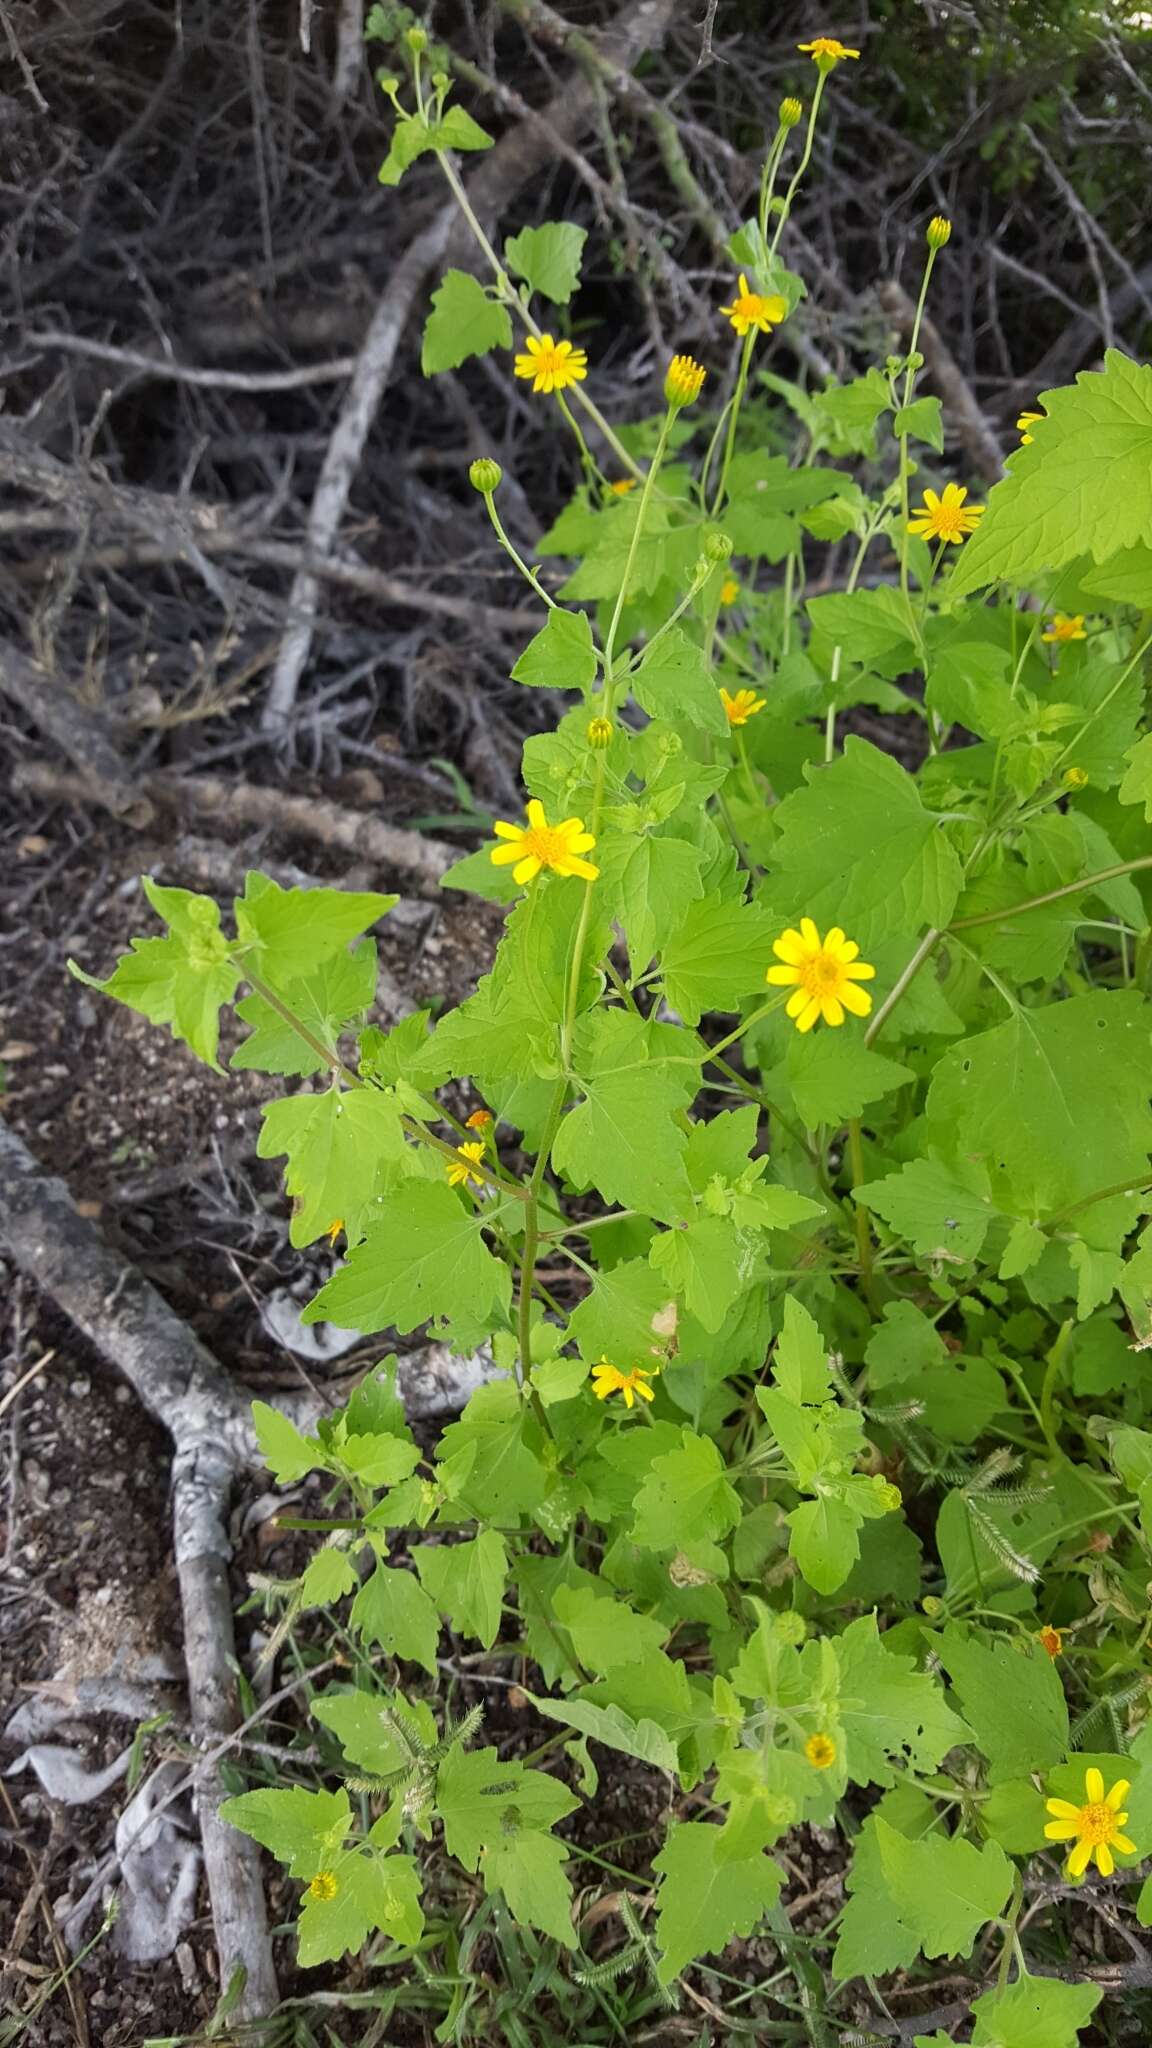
(71, 726)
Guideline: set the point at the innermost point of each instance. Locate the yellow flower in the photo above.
(939, 232)
(684, 381)
(1065, 626)
(598, 732)
(824, 973)
(1026, 420)
(480, 1120)
(752, 309)
(1094, 1827)
(463, 1167)
(825, 52)
(1050, 1639)
(791, 111)
(947, 517)
(820, 1751)
(729, 590)
(323, 1887)
(1075, 778)
(552, 365)
(539, 845)
(743, 706)
(334, 1229)
(622, 486)
(608, 1379)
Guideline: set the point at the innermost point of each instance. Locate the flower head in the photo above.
(622, 486)
(598, 733)
(820, 1751)
(752, 309)
(1075, 778)
(823, 974)
(1065, 626)
(791, 111)
(484, 475)
(552, 365)
(684, 381)
(608, 1379)
(1026, 421)
(1050, 1639)
(334, 1229)
(946, 518)
(539, 845)
(729, 590)
(826, 52)
(939, 232)
(462, 1169)
(323, 1887)
(1094, 1827)
(743, 706)
(480, 1120)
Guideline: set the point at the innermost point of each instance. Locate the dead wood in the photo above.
(72, 727)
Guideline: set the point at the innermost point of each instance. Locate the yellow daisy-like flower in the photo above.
(334, 1229)
(323, 1887)
(823, 973)
(1050, 1639)
(947, 517)
(684, 380)
(743, 706)
(622, 486)
(608, 1379)
(552, 365)
(820, 1751)
(1065, 626)
(1025, 421)
(753, 309)
(539, 845)
(480, 1120)
(729, 590)
(462, 1169)
(1094, 1827)
(826, 51)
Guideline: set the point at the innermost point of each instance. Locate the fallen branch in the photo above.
(72, 727)
(387, 847)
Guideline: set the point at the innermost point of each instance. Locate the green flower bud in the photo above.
(791, 111)
(939, 231)
(791, 1627)
(717, 547)
(484, 474)
(417, 40)
(932, 1606)
(598, 732)
(388, 82)
(440, 81)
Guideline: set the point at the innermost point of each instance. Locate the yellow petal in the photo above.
(859, 970)
(833, 1011)
(626, 1390)
(856, 999)
(834, 940)
(602, 1389)
(1062, 1808)
(526, 870)
(790, 947)
(810, 1016)
(1122, 1843)
(1118, 1794)
(581, 842)
(584, 868)
(1080, 1858)
(932, 500)
(647, 1392)
(504, 830)
(809, 933)
(1105, 1862)
(503, 856)
(796, 1003)
(536, 816)
(1062, 1830)
(1094, 1785)
(782, 977)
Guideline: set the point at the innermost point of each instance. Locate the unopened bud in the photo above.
(939, 231)
(717, 547)
(417, 40)
(791, 1627)
(388, 82)
(440, 81)
(791, 111)
(1075, 778)
(598, 732)
(484, 474)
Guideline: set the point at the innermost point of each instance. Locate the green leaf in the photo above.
(857, 848)
(686, 1497)
(332, 996)
(290, 932)
(870, 625)
(1082, 483)
(488, 1458)
(415, 134)
(302, 1829)
(905, 1345)
(658, 878)
(943, 1889)
(466, 1580)
(1136, 787)
(463, 322)
(943, 1211)
(894, 1718)
(800, 1366)
(182, 980)
(606, 1632)
(357, 1721)
(1034, 2012)
(825, 1541)
(626, 1317)
(528, 1868)
(393, 1609)
(287, 1454)
(623, 1138)
(372, 1891)
(705, 1899)
(873, 1939)
(481, 1796)
(719, 953)
(704, 1264)
(327, 1577)
(561, 657)
(1053, 1102)
(1012, 1700)
(923, 420)
(377, 1458)
(674, 681)
(548, 258)
(336, 1143)
(833, 1077)
(423, 1255)
(458, 130)
(643, 1739)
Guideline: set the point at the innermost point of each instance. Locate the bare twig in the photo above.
(168, 369)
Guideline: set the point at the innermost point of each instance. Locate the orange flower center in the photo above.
(950, 521)
(1097, 1823)
(547, 845)
(820, 975)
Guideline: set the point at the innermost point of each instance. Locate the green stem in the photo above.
(1086, 883)
(1119, 1187)
(531, 575)
(909, 386)
(737, 401)
(288, 1016)
(803, 164)
(1057, 1359)
(907, 976)
(641, 515)
(863, 1229)
(765, 1010)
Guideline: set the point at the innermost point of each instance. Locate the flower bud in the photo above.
(484, 474)
(939, 231)
(440, 81)
(417, 40)
(932, 1606)
(717, 547)
(1075, 778)
(684, 381)
(791, 111)
(598, 732)
(388, 82)
(790, 1626)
